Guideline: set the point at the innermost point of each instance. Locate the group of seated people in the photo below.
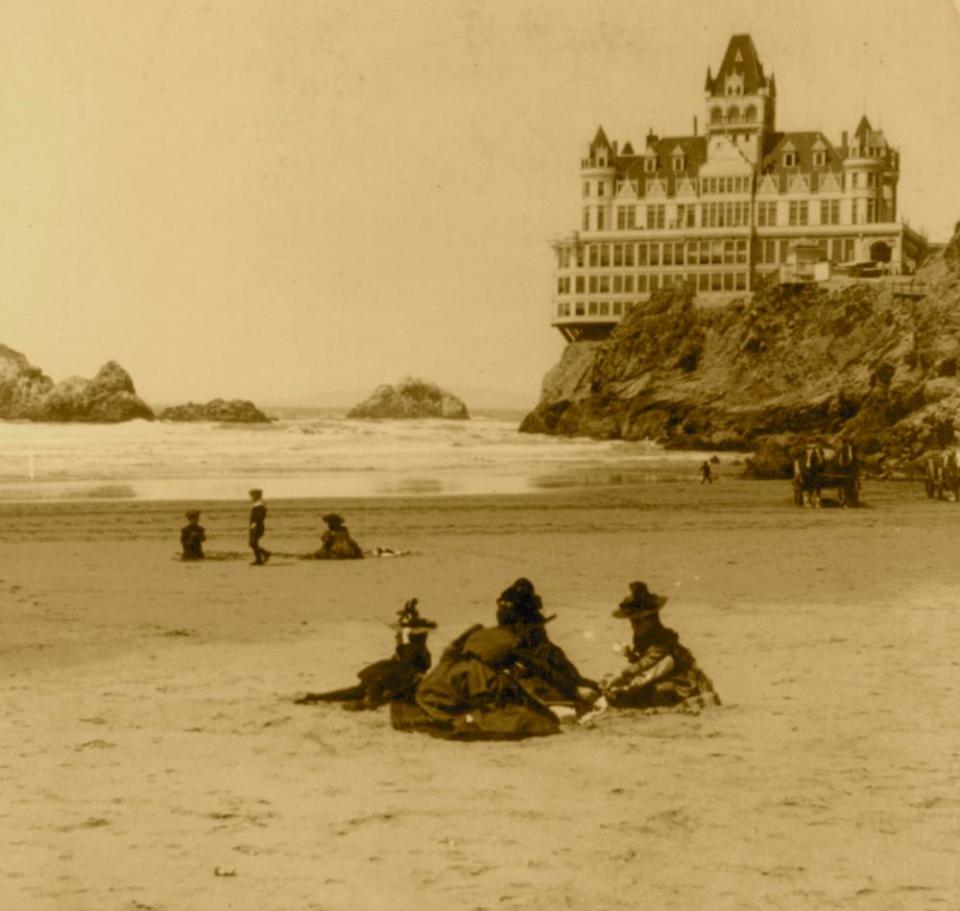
(510, 681)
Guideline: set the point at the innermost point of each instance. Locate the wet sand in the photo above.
(150, 738)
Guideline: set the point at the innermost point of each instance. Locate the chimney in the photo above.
(694, 124)
(651, 138)
(843, 139)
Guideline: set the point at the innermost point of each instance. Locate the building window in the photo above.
(798, 213)
(678, 163)
(668, 254)
(830, 211)
(586, 219)
(580, 283)
(604, 254)
(599, 219)
(789, 159)
(592, 309)
(741, 252)
(678, 254)
(854, 213)
(618, 254)
(750, 114)
(741, 281)
(654, 254)
(641, 254)
(650, 165)
(628, 284)
(656, 216)
(599, 188)
(586, 188)
(819, 158)
(716, 115)
(604, 308)
(617, 308)
(641, 284)
(580, 308)
(628, 255)
(733, 115)
(594, 255)
(617, 284)
(593, 284)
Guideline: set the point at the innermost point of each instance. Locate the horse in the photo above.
(817, 468)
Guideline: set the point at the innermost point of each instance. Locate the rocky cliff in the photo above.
(26, 393)
(768, 372)
(234, 411)
(411, 398)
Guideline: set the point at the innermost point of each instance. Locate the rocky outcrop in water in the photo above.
(768, 373)
(233, 411)
(26, 393)
(411, 398)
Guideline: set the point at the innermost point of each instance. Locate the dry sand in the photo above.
(149, 737)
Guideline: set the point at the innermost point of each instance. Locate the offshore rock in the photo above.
(26, 393)
(411, 398)
(768, 373)
(233, 411)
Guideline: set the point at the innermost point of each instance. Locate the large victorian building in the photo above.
(719, 209)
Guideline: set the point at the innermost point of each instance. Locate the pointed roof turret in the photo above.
(708, 86)
(741, 66)
(600, 141)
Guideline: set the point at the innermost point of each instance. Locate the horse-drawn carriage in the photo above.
(941, 475)
(819, 468)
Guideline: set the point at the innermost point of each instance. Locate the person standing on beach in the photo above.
(257, 527)
(192, 537)
(706, 476)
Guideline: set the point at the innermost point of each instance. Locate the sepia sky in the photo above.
(278, 198)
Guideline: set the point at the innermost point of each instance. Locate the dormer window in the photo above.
(650, 165)
(678, 163)
(819, 158)
(789, 159)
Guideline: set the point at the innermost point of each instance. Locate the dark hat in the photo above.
(520, 604)
(333, 520)
(192, 513)
(409, 618)
(640, 601)
(255, 492)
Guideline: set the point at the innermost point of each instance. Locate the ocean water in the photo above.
(313, 454)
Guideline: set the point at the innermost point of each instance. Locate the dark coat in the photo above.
(338, 545)
(191, 540)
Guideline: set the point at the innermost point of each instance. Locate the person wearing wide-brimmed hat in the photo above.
(394, 678)
(544, 670)
(477, 691)
(257, 527)
(192, 536)
(661, 673)
(336, 543)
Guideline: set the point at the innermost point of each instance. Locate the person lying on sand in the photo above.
(484, 685)
(336, 541)
(192, 536)
(662, 674)
(394, 678)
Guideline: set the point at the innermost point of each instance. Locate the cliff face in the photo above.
(787, 365)
(27, 394)
(411, 398)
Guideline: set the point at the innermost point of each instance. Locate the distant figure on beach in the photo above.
(661, 673)
(482, 688)
(394, 678)
(257, 527)
(336, 541)
(192, 536)
(706, 475)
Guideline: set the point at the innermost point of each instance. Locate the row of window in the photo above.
(654, 253)
(704, 282)
(613, 284)
(737, 214)
(834, 249)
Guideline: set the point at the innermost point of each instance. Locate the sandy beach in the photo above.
(153, 758)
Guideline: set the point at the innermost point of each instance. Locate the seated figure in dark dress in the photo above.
(192, 537)
(336, 543)
(394, 678)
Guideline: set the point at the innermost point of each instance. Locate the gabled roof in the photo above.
(867, 136)
(803, 144)
(663, 151)
(741, 59)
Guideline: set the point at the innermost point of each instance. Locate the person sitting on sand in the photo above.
(336, 541)
(475, 691)
(192, 536)
(565, 685)
(394, 678)
(257, 527)
(662, 674)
